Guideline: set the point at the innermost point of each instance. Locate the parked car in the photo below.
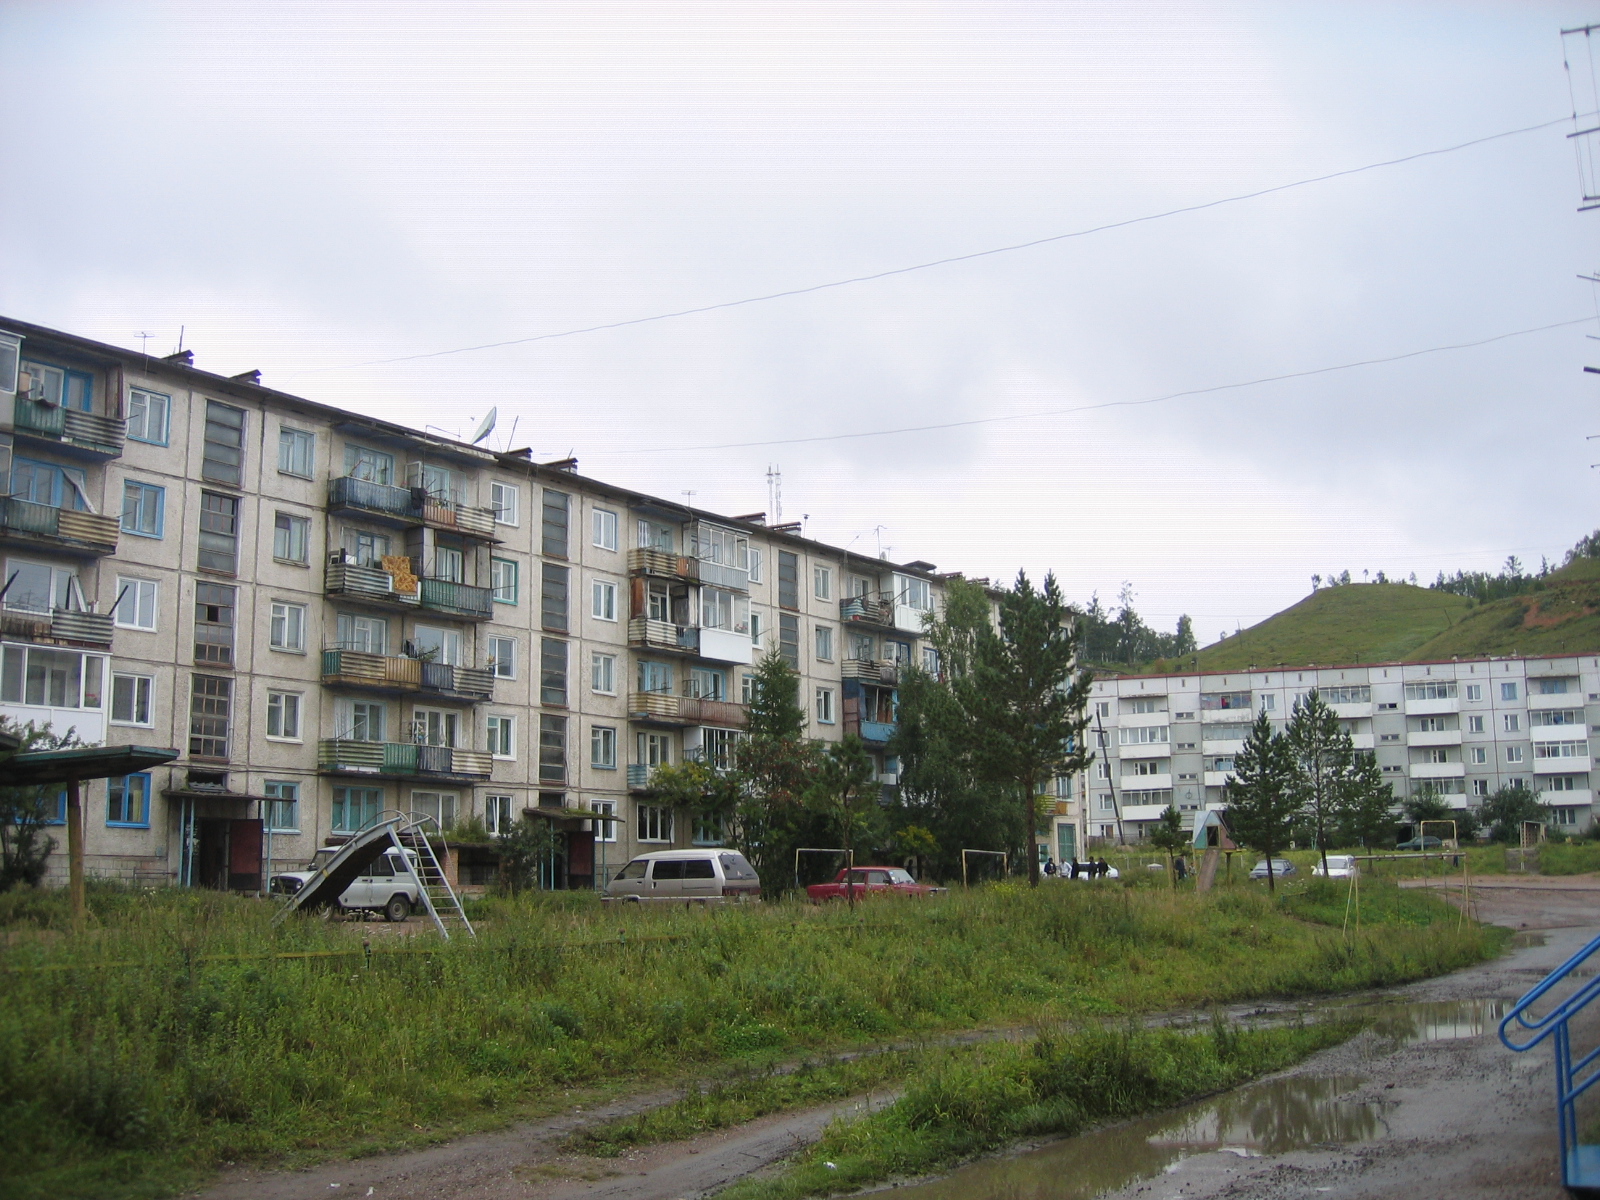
(871, 881)
(1340, 866)
(1280, 868)
(387, 887)
(1421, 843)
(686, 877)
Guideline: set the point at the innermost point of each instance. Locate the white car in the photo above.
(387, 887)
(1340, 866)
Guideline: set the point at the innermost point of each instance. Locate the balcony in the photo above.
(638, 777)
(1569, 699)
(873, 609)
(697, 710)
(1434, 737)
(874, 732)
(1435, 770)
(341, 756)
(883, 671)
(1439, 706)
(458, 599)
(654, 706)
(662, 565)
(1567, 765)
(63, 626)
(79, 434)
(645, 634)
(1146, 783)
(359, 668)
(408, 506)
(23, 521)
(374, 584)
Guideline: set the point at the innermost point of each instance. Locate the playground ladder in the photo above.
(438, 897)
(1522, 1030)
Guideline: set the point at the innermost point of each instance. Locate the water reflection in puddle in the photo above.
(1434, 1020)
(1264, 1118)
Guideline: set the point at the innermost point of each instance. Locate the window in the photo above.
(552, 748)
(825, 706)
(213, 624)
(655, 750)
(283, 715)
(706, 683)
(47, 678)
(720, 609)
(130, 699)
(142, 509)
(747, 689)
(1431, 690)
(1430, 725)
(1511, 721)
(603, 673)
(1480, 787)
(1102, 708)
(148, 414)
(219, 533)
(552, 671)
(128, 800)
(654, 536)
(605, 529)
(930, 661)
(1514, 754)
(503, 657)
(755, 628)
(1154, 734)
(1555, 687)
(553, 597)
(368, 549)
(503, 737)
(1508, 691)
(291, 538)
(297, 450)
(435, 726)
(1514, 781)
(48, 484)
(707, 830)
(136, 603)
(1480, 754)
(655, 677)
(1145, 704)
(717, 746)
(283, 805)
(1224, 701)
(655, 823)
(1347, 695)
(357, 631)
(210, 708)
(789, 639)
(1474, 724)
(1147, 766)
(437, 645)
(788, 580)
(914, 593)
(450, 564)
(1564, 783)
(605, 600)
(824, 639)
(57, 385)
(497, 813)
(603, 747)
(223, 461)
(364, 721)
(1561, 749)
(553, 530)
(605, 831)
(442, 485)
(373, 466)
(1557, 716)
(288, 628)
(1474, 691)
(822, 582)
(503, 577)
(505, 500)
(1436, 755)
(754, 559)
(355, 808)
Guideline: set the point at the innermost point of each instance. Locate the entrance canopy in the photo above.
(90, 762)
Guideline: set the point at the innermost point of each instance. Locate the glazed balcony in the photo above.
(343, 756)
(23, 522)
(408, 506)
(78, 434)
(59, 626)
(391, 673)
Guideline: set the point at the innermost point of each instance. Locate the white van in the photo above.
(386, 887)
(709, 876)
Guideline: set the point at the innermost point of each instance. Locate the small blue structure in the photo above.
(1522, 1030)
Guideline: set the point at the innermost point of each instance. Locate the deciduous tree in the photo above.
(839, 792)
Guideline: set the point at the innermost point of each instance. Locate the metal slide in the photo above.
(440, 899)
(1523, 1030)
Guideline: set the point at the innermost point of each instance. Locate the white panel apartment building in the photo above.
(1458, 730)
(330, 615)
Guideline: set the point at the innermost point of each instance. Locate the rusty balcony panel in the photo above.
(661, 565)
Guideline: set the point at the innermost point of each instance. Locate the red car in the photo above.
(871, 881)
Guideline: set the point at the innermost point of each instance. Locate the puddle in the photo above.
(1436, 1020)
(1263, 1118)
(1529, 937)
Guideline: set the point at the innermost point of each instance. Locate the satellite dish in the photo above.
(486, 426)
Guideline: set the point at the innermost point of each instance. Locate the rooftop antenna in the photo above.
(180, 340)
(144, 342)
(775, 493)
(511, 438)
(486, 426)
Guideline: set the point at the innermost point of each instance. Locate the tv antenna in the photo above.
(775, 493)
(1585, 125)
(486, 426)
(144, 342)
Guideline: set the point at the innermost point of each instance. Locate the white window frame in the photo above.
(295, 524)
(501, 731)
(603, 674)
(603, 747)
(497, 663)
(655, 824)
(1475, 723)
(822, 582)
(1512, 722)
(605, 600)
(290, 440)
(165, 407)
(149, 690)
(604, 831)
(132, 602)
(286, 710)
(822, 638)
(426, 718)
(607, 528)
(1480, 754)
(754, 560)
(498, 815)
(289, 618)
(1474, 691)
(505, 513)
(826, 709)
(1514, 754)
(448, 646)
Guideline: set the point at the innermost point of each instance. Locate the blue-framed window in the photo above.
(49, 484)
(128, 801)
(56, 814)
(58, 385)
(149, 414)
(283, 805)
(143, 509)
(355, 807)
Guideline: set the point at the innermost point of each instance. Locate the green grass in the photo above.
(1564, 618)
(969, 1102)
(139, 1058)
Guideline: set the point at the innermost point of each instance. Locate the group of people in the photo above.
(1093, 869)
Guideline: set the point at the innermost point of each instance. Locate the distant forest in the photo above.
(1121, 636)
(1512, 579)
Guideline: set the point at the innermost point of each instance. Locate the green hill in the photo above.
(1390, 622)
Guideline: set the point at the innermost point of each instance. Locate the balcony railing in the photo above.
(638, 776)
(459, 599)
(701, 710)
(644, 633)
(872, 670)
(57, 625)
(99, 436)
(364, 669)
(62, 526)
(345, 756)
(662, 565)
(873, 609)
(663, 705)
(409, 505)
(371, 583)
(869, 731)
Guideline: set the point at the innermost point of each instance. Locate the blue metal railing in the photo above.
(1522, 1030)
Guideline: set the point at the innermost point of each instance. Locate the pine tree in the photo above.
(1260, 810)
(1324, 762)
(839, 792)
(772, 768)
(1366, 809)
(1169, 835)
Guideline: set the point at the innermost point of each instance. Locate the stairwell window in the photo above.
(210, 715)
(143, 506)
(788, 580)
(552, 671)
(214, 615)
(552, 748)
(555, 524)
(219, 533)
(789, 639)
(223, 460)
(553, 597)
(148, 414)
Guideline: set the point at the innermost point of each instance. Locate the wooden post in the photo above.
(75, 853)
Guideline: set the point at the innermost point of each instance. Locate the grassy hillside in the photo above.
(1388, 622)
(1375, 622)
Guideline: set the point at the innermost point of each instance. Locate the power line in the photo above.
(941, 262)
(1061, 412)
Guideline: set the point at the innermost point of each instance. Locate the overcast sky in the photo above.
(307, 187)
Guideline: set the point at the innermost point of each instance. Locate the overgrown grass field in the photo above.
(164, 1041)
